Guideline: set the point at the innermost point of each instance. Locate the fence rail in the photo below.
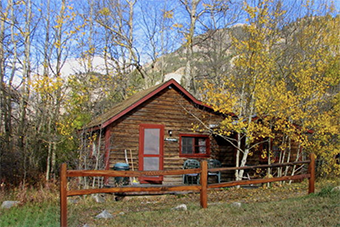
(202, 187)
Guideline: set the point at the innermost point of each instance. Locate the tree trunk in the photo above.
(239, 138)
(189, 77)
(22, 128)
(2, 88)
(269, 152)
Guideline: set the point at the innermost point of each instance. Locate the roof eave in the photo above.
(170, 82)
(150, 95)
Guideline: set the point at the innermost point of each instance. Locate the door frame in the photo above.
(141, 155)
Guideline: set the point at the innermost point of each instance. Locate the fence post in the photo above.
(63, 195)
(204, 184)
(311, 171)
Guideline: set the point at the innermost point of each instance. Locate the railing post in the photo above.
(63, 195)
(204, 184)
(311, 171)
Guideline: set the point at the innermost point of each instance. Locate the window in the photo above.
(194, 145)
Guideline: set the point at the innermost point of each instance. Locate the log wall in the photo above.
(171, 109)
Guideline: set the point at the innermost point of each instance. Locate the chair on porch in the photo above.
(214, 163)
(191, 164)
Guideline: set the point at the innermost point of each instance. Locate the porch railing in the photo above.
(202, 187)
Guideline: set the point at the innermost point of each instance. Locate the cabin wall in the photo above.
(168, 108)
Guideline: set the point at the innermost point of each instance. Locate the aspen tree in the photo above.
(202, 15)
(156, 25)
(290, 96)
(26, 80)
(122, 59)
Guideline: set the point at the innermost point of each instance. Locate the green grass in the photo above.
(279, 206)
(45, 214)
(31, 215)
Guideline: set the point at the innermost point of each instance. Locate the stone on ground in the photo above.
(236, 204)
(98, 198)
(105, 214)
(181, 207)
(9, 204)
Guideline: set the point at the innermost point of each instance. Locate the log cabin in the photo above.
(158, 129)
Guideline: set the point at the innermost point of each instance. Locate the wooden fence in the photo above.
(202, 187)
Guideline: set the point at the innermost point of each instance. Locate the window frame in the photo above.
(195, 136)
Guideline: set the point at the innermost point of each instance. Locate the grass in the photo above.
(278, 206)
(45, 214)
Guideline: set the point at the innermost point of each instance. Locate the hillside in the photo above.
(212, 56)
(214, 51)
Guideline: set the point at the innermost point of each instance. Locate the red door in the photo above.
(151, 138)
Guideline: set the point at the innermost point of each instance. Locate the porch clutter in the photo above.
(121, 167)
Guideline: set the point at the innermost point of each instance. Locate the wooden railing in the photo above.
(202, 188)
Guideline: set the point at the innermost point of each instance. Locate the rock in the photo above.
(236, 204)
(9, 204)
(105, 214)
(98, 198)
(181, 207)
(336, 189)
